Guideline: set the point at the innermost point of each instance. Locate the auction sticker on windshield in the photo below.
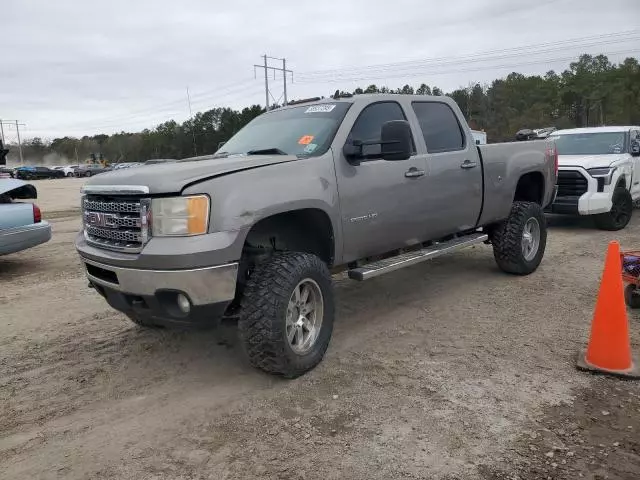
(305, 140)
(320, 109)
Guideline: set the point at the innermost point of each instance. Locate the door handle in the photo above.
(468, 164)
(413, 172)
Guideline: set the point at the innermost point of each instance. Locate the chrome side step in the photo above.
(391, 264)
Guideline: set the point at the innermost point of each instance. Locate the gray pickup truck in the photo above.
(367, 185)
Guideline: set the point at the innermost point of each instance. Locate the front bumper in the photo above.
(17, 239)
(154, 292)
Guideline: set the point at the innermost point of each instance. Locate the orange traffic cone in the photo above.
(609, 349)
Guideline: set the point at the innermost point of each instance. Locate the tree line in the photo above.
(592, 91)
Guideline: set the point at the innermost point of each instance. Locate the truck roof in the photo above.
(367, 98)
(613, 129)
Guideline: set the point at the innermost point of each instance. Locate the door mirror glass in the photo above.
(635, 148)
(395, 140)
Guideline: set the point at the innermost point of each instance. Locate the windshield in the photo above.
(604, 143)
(307, 130)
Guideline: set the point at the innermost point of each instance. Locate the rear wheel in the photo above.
(620, 214)
(70, 174)
(286, 314)
(519, 242)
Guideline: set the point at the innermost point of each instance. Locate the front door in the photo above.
(380, 200)
(453, 193)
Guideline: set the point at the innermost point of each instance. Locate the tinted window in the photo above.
(369, 124)
(440, 127)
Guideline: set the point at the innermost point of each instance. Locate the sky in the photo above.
(85, 67)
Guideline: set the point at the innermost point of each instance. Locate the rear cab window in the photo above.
(440, 127)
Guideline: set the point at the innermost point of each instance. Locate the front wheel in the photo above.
(286, 314)
(620, 214)
(519, 242)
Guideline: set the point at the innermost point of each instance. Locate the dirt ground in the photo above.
(447, 370)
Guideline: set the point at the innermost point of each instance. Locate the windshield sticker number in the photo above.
(320, 109)
(310, 148)
(305, 140)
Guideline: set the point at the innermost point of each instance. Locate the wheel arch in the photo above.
(307, 230)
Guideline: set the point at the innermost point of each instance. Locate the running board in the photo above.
(391, 264)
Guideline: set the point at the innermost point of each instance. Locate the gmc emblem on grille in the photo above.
(99, 219)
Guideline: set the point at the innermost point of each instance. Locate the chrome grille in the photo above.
(121, 207)
(116, 223)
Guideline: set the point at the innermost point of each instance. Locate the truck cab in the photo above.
(599, 173)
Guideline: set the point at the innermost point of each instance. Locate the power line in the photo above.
(462, 70)
(321, 75)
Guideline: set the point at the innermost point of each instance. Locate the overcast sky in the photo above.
(74, 67)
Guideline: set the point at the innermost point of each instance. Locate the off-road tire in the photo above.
(507, 239)
(263, 307)
(142, 320)
(610, 221)
(632, 296)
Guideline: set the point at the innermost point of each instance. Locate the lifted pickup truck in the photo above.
(367, 184)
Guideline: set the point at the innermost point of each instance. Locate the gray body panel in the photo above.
(373, 208)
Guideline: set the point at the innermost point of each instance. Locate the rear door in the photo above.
(453, 191)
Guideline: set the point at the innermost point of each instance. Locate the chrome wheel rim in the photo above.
(304, 316)
(530, 239)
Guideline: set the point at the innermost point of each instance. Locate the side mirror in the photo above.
(395, 140)
(635, 148)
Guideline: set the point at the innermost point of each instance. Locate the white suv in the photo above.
(599, 173)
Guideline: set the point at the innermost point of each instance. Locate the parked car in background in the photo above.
(37, 173)
(6, 172)
(68, 170)
(89, 170)
(21, 224)
(599, 173)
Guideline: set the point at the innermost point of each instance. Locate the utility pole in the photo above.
(193, 132)
(17, 125)
(267, 67)
(19, 142)
(1, 132)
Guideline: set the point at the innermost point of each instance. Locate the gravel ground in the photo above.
(447, 370)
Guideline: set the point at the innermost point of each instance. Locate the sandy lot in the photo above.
(447, 370)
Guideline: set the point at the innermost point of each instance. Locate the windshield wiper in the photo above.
(267, 151)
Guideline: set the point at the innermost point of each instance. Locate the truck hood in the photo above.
(17, 189)
(590, 161)
(174, 177)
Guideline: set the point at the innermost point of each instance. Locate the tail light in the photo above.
(37, 214)
(553, 153)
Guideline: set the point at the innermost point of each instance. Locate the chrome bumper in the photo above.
(203, 286)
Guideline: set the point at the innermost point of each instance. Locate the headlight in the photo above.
(604, 172)
(180, 216)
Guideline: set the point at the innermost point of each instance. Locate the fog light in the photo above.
(183, 303)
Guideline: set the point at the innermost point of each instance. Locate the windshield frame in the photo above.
(319, 151)
(625, 147)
